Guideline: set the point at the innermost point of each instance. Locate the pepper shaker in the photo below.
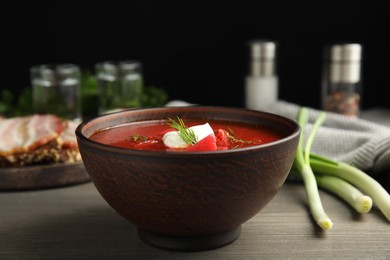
(342, 82)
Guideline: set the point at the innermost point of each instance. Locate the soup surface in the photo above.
(148, 135)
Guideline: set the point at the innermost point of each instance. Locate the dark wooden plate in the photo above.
(42, 176)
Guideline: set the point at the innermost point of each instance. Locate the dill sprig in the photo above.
(137, 137)
(235, 139)
(185, 133)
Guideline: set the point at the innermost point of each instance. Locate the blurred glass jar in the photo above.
(342, 79)
(56, 90)
(119, 84)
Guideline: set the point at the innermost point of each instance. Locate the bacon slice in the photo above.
(24, 134)
(37, 139)
(69, 150)
(68, 136)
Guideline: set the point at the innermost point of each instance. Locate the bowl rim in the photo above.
(120, 150)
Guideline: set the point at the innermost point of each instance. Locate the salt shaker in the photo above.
(261, 85)
(342, 81)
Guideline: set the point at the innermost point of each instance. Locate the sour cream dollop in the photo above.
(173, 140)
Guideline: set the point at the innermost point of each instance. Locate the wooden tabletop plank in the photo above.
(76, 223)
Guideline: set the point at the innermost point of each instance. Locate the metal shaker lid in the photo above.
(261, 49)
(346, 52)
(345, 63)
(262, 58)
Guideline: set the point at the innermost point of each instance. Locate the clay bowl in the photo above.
(189, 201)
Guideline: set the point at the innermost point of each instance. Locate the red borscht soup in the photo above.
(150, 135)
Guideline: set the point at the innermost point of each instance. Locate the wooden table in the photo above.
(76, 223)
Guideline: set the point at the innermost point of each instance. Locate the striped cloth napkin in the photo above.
(358, 142)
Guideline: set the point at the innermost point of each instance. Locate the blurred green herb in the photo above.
(89, 93)
(11, 106)
(153, 96)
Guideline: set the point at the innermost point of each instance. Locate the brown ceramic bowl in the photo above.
(189, 201)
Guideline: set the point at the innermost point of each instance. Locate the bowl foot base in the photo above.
(194, 243)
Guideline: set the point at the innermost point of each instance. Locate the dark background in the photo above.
(195, 50)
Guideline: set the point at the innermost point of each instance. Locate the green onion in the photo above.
(358, 178)
(345, 190)
(351, 184)
(302, 163)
